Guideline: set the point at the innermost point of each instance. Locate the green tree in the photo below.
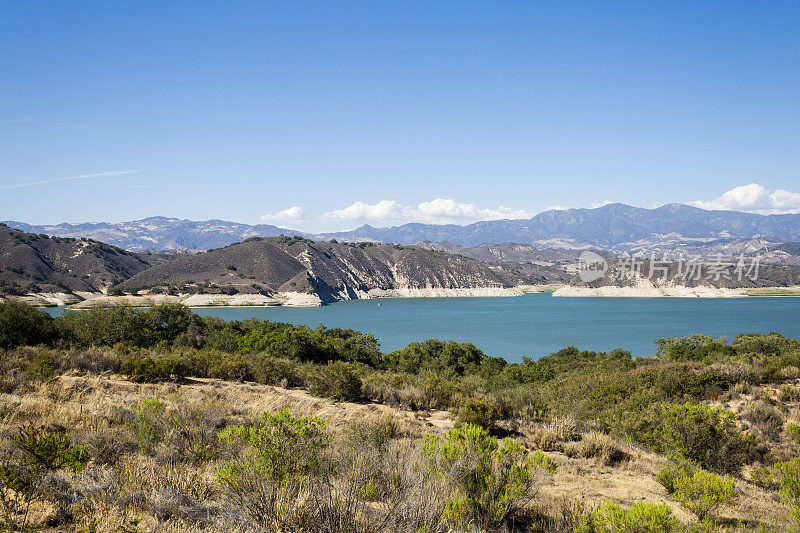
(21, 324)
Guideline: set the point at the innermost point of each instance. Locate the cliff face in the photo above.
(331, 271)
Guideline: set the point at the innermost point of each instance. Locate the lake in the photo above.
(538, 324)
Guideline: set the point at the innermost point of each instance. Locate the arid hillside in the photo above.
(32, 263)
(328, 269)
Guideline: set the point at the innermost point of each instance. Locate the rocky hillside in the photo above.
(330, 270)
(32, 263)
(510, 251)
(705, 279)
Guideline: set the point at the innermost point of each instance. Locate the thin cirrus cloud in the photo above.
(438, 211)
(754, 198)
(291, 214)
(105, 173)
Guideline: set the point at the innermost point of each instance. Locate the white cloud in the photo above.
(439, 211)
(448, 210)
(383, 210)
(293, 214)
(557, 208)
(70, 178)
(754, 198)
(595, 205)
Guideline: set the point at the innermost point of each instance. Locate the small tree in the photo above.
(22, 324)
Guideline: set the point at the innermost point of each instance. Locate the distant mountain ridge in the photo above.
(159, 233)
(613, 226)
(609, 226)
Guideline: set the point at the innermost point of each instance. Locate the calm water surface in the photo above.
(538, 324)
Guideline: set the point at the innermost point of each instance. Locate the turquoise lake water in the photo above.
(538, 324)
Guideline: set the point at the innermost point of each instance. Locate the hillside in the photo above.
(40, 264)
(509, 251)
(703, 280)
(322, 271)
(329, 270)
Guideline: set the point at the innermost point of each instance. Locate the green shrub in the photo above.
(21, 324)
(478, 412)
(149, 370)
(703, 493)
(675, 469)
(794, 432)
(36, 453)
(641, 517)
(432, 354)
(788, 477)
(278, 446)
(149, 424)
(705, 434)
(281, 454)
(232, 367)
(438, 390)
(336, 380)
(693, 348)
(273, 371)
(491, 481)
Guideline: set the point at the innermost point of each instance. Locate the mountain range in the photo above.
(613, 226)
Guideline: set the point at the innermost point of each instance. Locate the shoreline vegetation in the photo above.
(134, 419)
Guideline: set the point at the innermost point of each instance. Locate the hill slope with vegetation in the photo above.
(160, 419)
(330, 271)
(38, 263)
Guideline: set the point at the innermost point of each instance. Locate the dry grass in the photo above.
(124, 490)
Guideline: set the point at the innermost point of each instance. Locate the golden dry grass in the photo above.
(93, 406)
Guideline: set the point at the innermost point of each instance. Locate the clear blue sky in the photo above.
(238, 111)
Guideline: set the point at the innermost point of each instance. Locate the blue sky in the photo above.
(331, 114)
